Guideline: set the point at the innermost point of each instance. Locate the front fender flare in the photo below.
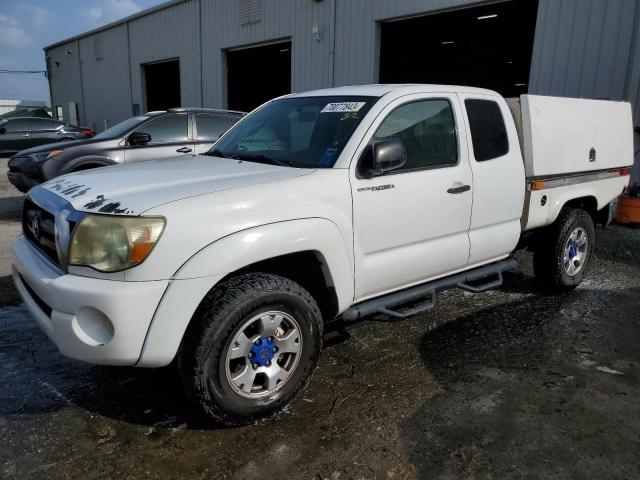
(198, 275)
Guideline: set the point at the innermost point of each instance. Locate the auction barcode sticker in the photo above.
(342, 107)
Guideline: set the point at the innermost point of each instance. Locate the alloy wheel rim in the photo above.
(575, 252)
(263, 354)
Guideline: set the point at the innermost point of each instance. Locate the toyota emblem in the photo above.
(35, 227)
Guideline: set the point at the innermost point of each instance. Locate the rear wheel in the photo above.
(564, 251)
(252, 345)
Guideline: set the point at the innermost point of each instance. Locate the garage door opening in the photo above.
(488, 46)
(258, 74)
(162, 85)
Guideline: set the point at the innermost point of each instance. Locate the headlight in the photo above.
(41, 157)
(109, 243)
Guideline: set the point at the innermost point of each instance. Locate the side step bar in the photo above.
(388, 304)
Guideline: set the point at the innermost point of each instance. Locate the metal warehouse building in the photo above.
(238, 53)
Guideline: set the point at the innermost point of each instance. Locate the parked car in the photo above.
(153, 135)
(344, 202)
(25, 132)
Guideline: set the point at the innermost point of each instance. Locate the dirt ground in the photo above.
(511, 384)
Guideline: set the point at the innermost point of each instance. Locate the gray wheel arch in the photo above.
(83, 163)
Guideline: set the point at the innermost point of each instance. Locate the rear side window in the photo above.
(44, 124)
(168, 129)
(210, 127)
(18, 125)
(427, 130)
(488, 131)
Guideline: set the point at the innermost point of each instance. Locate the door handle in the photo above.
(25, 134)
(184, 150)
(460, 189)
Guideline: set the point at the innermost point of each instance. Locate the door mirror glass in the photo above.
(382, 156)
(139, 138)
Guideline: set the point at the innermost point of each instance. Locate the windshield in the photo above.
(303, 132)
(119, 128)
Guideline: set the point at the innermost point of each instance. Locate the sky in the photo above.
(26, 26)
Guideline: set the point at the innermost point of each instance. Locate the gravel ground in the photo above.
(507, 384)
(10, 210)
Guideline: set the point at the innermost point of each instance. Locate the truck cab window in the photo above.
(18, 125)
(488, 132)
(427, 130)
(302, 132)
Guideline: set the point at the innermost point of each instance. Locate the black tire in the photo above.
(548, 258)
(202, 355)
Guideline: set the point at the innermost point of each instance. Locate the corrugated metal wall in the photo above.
(105, 77)
(358, 36)
(169, 33)
(281, 19)
(583, 48)
(65, 79)
(588, 48)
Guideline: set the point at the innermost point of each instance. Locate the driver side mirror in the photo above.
(139, 138)
(382, 156)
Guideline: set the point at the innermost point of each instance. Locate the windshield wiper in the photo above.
(265, 159)
(215, 153)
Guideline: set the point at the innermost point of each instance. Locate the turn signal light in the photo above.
(140, 251)
(537, 185)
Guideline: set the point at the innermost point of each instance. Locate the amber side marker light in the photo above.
(537, 185)
(140, 251)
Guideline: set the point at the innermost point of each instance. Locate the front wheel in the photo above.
(252, 345)
(564, 252)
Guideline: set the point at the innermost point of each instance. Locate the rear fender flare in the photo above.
(601, 193)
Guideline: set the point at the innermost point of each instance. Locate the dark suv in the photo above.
(25, 132)
(150, 136)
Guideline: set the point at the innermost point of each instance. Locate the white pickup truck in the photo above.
(335, 203)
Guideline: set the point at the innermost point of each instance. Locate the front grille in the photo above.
(39, 226)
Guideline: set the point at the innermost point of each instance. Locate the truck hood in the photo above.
(131, 189)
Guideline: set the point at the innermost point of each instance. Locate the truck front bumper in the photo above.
(93, 320)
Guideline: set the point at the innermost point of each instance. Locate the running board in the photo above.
(489, 276)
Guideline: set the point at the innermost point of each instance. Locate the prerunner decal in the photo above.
(342, 107)
(377, 188)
